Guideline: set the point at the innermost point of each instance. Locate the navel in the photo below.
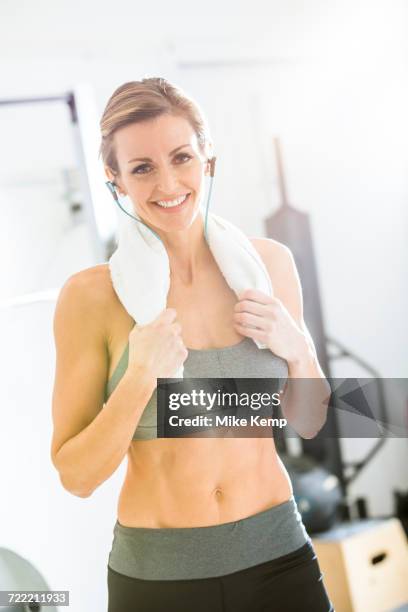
(218, 493)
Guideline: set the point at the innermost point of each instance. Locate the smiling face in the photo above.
(161, 169)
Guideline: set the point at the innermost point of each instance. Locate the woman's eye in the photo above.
(141, 169)
(183, 156)
(144, 168)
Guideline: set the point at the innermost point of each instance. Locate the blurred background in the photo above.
(306, 102)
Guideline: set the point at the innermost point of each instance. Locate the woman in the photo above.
(203, 523)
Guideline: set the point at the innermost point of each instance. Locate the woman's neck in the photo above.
(188, 253)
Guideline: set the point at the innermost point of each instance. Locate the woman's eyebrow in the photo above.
(148, 158)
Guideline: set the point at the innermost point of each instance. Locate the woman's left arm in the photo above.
(278, 322)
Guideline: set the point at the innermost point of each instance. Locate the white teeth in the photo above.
(171, 203)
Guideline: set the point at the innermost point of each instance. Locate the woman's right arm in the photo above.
(90, 439)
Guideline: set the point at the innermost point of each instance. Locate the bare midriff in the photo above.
(194, 482)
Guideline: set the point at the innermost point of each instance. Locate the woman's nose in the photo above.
(167, 180)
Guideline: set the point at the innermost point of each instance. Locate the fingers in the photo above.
(256, 296)
(168, 318)
(244, 319)
(168, 315)
(255, 334)
(176, 328)
(165, 317)
(262, 310)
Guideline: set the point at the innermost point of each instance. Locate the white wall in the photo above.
(343, 131)
(66, 538)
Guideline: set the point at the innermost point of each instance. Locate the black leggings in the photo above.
(291, 583)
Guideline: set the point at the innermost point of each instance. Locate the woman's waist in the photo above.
(196, 552)
(197, 498)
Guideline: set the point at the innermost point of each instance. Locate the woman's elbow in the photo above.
(75, 488)
(69, 481)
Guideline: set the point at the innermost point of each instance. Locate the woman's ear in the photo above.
(109, 174)
(211, 166)
(112, 177)
(208, 153)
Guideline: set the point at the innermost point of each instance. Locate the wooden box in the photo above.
(365, 565)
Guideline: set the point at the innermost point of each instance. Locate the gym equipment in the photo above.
(292, 227)
(365, 565)
(18, 574)
(317, 492)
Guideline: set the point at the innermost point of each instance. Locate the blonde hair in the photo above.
(138, 101)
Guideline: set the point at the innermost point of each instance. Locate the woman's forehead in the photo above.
(148, 138)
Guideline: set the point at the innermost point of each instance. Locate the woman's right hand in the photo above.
(157, 348)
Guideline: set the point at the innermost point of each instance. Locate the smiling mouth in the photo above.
(172, 204)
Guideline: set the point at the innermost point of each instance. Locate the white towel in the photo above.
(140, 269)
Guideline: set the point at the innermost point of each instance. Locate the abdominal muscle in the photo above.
(196, 482)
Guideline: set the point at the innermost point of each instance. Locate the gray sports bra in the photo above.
(242, 360)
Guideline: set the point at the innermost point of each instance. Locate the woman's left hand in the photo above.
(275, 327)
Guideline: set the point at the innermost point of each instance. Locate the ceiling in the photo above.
(97, 28)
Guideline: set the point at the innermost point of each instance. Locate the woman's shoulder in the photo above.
(280, 263)
(93, 284)
(274, 254)
(90, 292)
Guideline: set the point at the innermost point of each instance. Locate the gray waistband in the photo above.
(179, 553)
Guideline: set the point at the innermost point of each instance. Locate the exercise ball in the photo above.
(317, 492)
(18, 574)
